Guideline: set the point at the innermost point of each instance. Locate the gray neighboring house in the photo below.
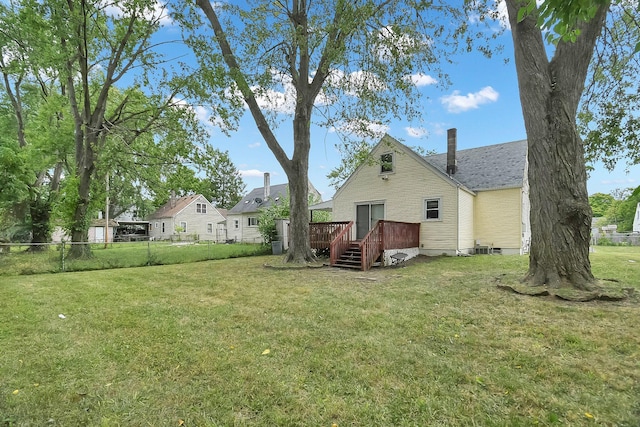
(189, 217)
(242, 219)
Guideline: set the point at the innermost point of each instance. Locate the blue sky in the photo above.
(482, 103)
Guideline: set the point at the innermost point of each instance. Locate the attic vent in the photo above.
(246, 202)
(258, 200)
(277, 198)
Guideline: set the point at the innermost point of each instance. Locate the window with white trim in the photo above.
(432, 209)
(183, 226)
(236, 223)
(201, 208)
(209, 228)
(252, 221)
(386, 163)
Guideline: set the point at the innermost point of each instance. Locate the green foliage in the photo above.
(600, 203)
(627, 211)
(267, 217)
(562, 19)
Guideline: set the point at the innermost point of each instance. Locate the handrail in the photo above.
(340, 244)
(371, 246)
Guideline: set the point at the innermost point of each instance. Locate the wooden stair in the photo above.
(352, 258)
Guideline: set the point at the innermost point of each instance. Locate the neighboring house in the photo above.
(636, 220)
(463, 200)
(242, 219)
(188, 217)
(131, 226)
(96, 233)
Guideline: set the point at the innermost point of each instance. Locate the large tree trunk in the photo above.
(298, 175)
(85, 166)
(550, 92)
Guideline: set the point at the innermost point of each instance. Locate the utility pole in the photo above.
(106, 234)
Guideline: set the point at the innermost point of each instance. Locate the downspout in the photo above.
(457, 219)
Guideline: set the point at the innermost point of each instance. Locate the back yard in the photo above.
(231, 342)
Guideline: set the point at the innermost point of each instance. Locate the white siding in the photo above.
(244, 233)
(403, 193)
(466, 241)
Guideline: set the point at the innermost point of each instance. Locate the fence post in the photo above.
(62, 266)
(208, 249)
(148, 252)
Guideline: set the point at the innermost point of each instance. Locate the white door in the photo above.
(99, 234)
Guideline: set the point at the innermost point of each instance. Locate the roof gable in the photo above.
(170, 210)
(490, 167)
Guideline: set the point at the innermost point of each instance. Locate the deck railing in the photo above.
(371, 246)
(399, 235)
(340, 243)
(336, 237)
(322, 233)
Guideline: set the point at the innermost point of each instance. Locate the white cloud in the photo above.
(391, 44)
(439, 128)
(362, 128)
(251, 173)
(456, 103)
(203, 114)
(355, 81)
(416, 132)
(254, 145)
(159, 12)
(421, 79)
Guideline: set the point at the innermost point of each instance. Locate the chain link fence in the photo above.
(27, 258)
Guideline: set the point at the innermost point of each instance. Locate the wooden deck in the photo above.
(335, 239)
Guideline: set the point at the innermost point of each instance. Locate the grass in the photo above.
(121, 255)
(433, 343)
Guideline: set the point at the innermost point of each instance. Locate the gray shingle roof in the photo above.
(255, 199)
(487, 168)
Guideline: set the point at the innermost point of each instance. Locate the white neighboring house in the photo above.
(190, 217)
(242, 219)
(96, 233)
(636, 220)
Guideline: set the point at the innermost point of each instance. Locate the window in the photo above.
(209, 228)
(386, 163)
(432, 209)
(163, 227)
(236, 223)
(183, 226)
(156, 226)
(252, 221)
(201, 208)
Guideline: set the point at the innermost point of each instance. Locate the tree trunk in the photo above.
(40, 211)
(298, 176)
(80, 225)
(549, 93)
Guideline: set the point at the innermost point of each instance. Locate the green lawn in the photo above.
(230, 342)
(119, 255)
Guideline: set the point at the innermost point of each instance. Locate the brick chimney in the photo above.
(452, 142)
(267, 185)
